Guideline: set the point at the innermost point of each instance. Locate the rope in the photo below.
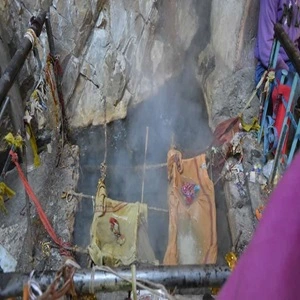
(63, 282)
(154, 288)
(34, 289)
(37, 204)
(267, 74)
(69, 194)
(31, 36)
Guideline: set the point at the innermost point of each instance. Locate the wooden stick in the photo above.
(172, 141)
(80, 195)
(147, 167)
(73, 249)
(158, 209)
(93, 197)
(144, 167)
(155, 166)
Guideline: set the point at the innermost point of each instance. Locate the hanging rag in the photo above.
(225, 131)
(119, 232)
(192, 220)
(280, 94)
(36, 157)
(15, 141)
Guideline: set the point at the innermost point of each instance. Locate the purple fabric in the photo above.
(271, 12)
(270, 266)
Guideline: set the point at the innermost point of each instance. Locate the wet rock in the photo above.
(23, 235)
(226, 66)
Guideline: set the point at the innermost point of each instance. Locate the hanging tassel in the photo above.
(5, 191)
(15, 141)
(29, 132)
(231, 260)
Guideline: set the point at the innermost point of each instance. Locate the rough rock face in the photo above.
(226, 66)
(113, 51)
(23, 234)
(125, 59)
(14, 95)
(123, 51)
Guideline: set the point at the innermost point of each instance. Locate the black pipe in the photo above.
(8, 77)
(3, 108)
(87, 281)
(289, 47)
(50, 35)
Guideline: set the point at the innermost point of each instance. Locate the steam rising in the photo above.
(178, 110)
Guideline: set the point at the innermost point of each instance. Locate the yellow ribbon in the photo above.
(5, 191)
(15, 141)
(36, 158)
(35, 95)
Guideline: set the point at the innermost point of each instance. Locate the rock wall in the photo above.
(112, 51)
(121, 52)
(226, 66)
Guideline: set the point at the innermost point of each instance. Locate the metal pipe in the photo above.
(4, 107)
(8, 77)
(290, 49)
(87, 280)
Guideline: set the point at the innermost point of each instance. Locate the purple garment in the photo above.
(270, 266)
(271, 12)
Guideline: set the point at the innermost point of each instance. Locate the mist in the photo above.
(176, 115)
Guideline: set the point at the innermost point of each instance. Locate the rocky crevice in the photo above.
(226, 66)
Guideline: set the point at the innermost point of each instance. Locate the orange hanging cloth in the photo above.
(192, 212)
